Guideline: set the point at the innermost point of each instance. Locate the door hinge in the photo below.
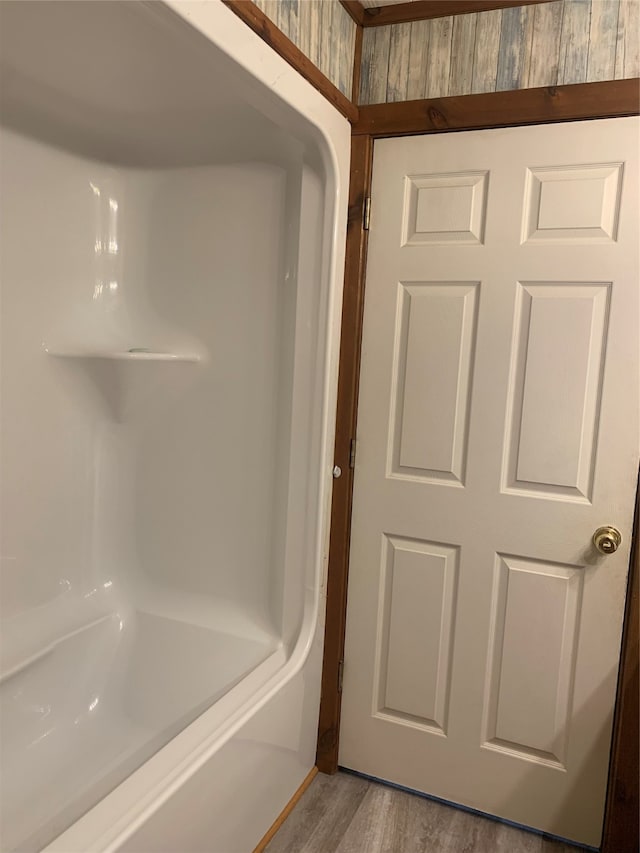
(352, 453)
(340, 675)
(366, 213)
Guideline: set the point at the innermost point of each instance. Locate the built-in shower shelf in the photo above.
(125, 355)
(126, 389)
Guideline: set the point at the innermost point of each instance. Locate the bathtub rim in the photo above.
(290, 101)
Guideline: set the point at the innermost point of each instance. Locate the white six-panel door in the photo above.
(497, 429)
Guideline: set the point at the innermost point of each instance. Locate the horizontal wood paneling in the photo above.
(547, 44)
(323, 30)
(607, 99)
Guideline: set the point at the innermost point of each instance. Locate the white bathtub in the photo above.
(173, 214)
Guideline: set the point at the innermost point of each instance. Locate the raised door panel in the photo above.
(445, 209)
(534, 638)
(435, 339)
(555, 389)
(415, 633)
(572, 204)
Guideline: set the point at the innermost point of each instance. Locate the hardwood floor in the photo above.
(346, 814)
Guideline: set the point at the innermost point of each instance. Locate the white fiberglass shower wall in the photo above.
(170, 232)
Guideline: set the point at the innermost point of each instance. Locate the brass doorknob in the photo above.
(607, 539)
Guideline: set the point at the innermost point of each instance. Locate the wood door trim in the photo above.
(402, 13)
(607, 99)
(275, 38)
(348, 379)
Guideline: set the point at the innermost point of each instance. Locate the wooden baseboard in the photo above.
(286, 811)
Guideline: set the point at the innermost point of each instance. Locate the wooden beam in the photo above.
(608, 99)
(402, 13)
(269, 32)
(348, 379)
(354, 8)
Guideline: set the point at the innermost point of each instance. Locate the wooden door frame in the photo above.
(470, 112)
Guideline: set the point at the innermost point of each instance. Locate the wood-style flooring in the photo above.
(348, 814)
